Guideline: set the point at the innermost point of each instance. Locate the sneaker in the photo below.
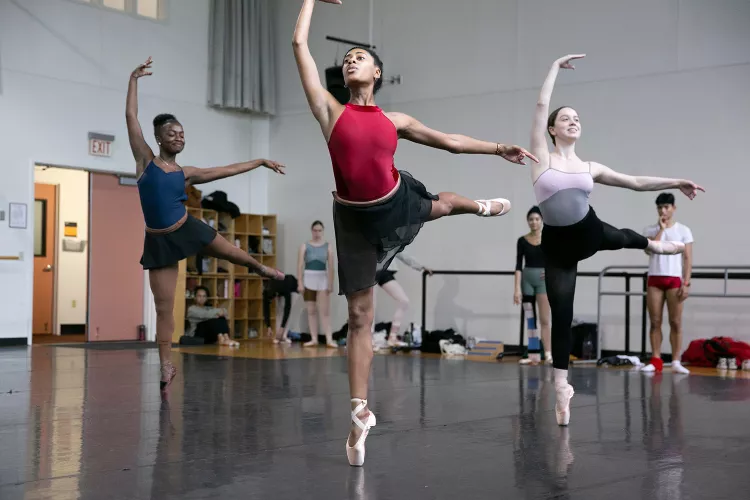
(746, 365)
(732, 363)
(722, 364)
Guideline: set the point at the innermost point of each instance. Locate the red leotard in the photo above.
(362, 145)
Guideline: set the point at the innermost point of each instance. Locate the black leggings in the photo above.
(564, 247)
(268, 297)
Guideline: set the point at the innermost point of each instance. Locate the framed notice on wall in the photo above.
(17, 217)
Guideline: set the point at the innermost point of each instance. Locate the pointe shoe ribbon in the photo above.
(356, 453)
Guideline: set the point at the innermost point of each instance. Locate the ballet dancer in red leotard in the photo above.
(377, 210)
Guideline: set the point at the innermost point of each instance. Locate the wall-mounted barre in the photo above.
(10, 257)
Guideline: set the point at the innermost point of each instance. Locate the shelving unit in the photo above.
(231, 286)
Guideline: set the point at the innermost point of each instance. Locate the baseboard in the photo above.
(14, 342)
(72, 329)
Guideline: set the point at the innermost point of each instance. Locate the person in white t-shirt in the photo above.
(668, 281)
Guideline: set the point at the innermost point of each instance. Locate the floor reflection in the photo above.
(90, 423)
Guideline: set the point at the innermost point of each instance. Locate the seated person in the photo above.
(276, 290)
(208, 323)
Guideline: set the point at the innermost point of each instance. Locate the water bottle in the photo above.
(588, 348)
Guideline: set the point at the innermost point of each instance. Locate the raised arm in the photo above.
(322, 103)
(607, 176)
(412, 130)
(539, 126)
(141, 151)
(194, 175)
(410, 261)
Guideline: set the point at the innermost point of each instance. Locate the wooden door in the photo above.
(45, 246)
(116, 276)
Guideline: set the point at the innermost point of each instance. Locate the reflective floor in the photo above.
(81, 423)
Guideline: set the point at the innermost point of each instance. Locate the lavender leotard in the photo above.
(563, 197)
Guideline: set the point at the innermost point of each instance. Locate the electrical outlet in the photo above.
(74, 303)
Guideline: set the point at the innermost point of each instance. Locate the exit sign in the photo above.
(100, 144)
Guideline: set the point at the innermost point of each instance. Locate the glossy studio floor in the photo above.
(270, 422)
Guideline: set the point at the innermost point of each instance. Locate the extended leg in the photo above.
(220, 248)
(454, 204)
(616, 239)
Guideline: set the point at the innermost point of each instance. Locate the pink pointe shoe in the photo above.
(485, 207)
(356, 453)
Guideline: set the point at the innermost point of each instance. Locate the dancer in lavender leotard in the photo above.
(572, 231)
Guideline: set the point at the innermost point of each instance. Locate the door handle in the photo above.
(47, 269)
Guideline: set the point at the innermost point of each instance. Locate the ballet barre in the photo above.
(724, 273)
(10, 257)
(511, 350)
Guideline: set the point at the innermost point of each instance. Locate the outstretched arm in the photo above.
(194, 175)
(539, 126)
(321, 102)
(141, 151)
(607, 176)
(415, 131)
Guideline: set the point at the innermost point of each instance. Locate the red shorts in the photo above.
(664, 282)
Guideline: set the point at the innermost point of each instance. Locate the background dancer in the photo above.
(529, 285)
(386, 279)
(377, 209)
(572, 231)
(315, 266)
(171, 233)
(668, 281)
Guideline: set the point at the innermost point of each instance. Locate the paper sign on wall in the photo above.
(71, 229)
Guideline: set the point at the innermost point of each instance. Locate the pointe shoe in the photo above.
(562, 405)
(356, 453)
(666, 247)
(486, 205)
(168, 372)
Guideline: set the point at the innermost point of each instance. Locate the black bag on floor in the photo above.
(585, 340)
(431, 340)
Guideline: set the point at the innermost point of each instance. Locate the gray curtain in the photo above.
(241, 62)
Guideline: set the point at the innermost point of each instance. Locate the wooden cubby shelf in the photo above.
(231, 286)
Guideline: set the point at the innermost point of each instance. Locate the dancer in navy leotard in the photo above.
(171, 233)
(572, 231)
(378, 210)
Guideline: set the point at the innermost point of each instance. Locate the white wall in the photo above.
(71, 275)
(64, 70)
(663, 91)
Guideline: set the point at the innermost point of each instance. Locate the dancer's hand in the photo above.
(662, 223)
(517, 297)
(275, 166)
(142, 69)
(428, 271)
(564, 62)
(690, 189)
(515, 154)
(301, 289)
(683, 293)
(271, 273)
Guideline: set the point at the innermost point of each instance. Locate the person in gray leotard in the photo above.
(572, 231)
